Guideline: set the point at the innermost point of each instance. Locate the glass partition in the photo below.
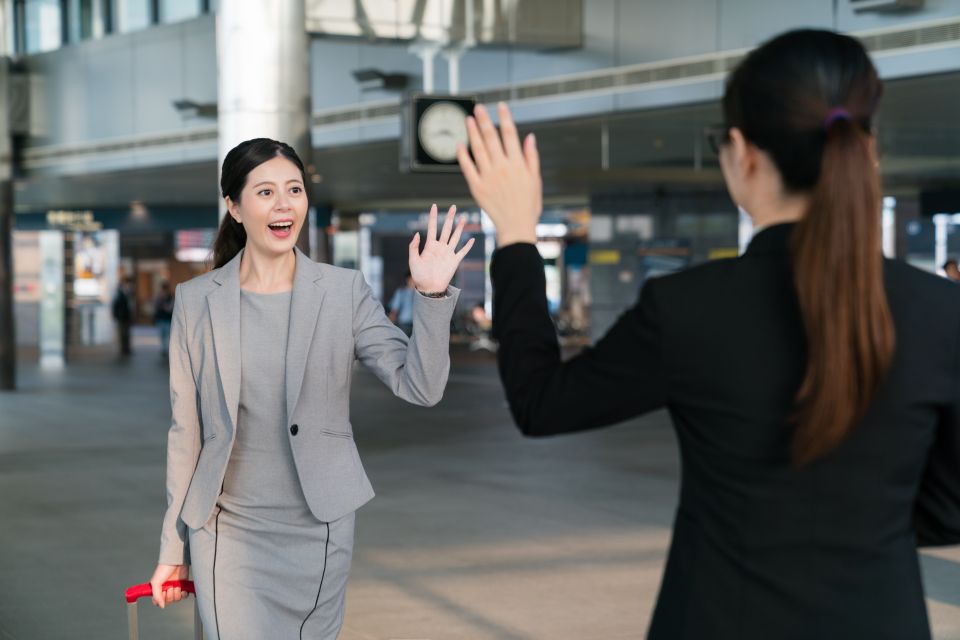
(130, 15)
(43, 25)
(177, 10)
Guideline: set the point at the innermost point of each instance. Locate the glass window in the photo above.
(7, 20)
(43, 25)
(177, 10)
(130, 15)
(81, 20)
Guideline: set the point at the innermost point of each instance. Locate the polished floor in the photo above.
(475, 533)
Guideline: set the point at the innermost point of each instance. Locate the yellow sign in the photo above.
(80, 220)
(604, 256)
(719, 254)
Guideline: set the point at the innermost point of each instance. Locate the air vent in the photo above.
(943, 33)
(56, 154)
(863, 6)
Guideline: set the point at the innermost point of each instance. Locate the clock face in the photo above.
(442, 126)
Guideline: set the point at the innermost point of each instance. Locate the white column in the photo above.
(453, 70)
(889, 222)
(263, 60)
(744, 230)
(52, 312)
(427, 52)
(489, 246)
(940, 224)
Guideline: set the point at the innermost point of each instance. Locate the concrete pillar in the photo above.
(263, 59)
(8, 345)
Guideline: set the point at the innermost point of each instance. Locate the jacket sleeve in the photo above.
(415, 369)
(937, 510)
(183, 440)
(621, 377)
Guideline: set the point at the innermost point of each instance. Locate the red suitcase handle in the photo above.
(138, 591)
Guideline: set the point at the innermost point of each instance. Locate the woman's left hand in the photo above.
(433, 268)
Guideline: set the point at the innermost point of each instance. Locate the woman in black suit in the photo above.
(818, 411)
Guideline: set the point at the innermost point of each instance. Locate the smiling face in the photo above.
(272, 207)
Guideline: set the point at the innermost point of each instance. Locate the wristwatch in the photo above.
(433, 294)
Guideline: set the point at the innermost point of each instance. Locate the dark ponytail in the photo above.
(240, 161)
(231, 237)
(808, 98)
(838, 269)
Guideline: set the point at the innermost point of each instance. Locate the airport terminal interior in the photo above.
(115, 117)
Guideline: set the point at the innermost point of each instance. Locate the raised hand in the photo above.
(433, 268)
(503, 176)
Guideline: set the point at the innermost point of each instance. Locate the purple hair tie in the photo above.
(837, 113)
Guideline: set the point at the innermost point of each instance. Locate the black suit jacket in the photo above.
(760, 549)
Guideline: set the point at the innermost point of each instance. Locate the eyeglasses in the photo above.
(718, 136)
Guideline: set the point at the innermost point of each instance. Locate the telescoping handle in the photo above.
(144, 590)
(138, 591)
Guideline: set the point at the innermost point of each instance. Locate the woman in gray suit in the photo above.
(263, 476)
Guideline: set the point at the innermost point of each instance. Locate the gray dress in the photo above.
(265, 566)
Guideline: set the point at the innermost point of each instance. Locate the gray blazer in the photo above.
(334, 320)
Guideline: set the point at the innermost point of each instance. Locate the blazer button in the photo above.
(294, 429)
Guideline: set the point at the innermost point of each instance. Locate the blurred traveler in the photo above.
(122, 312)
(401, 305)
(478, 326)
(817, 411)
(951, 270)
(263, 476)
(163, 315)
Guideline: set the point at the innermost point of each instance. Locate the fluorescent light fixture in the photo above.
(193, 254)
(555, 230)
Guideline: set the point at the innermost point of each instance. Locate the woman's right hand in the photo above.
(164, 573)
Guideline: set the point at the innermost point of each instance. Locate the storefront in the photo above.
(68, 264)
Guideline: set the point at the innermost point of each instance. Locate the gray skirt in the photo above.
(257, 577)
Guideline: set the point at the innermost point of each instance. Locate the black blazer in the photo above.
(761, 550)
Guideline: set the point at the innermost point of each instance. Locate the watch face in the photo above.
(442, 126)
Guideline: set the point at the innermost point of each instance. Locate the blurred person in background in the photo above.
(163, 315)
(401, 305)
(478, 326)
(816, 405)
(951, 270)
(263, 476)
(122, 312)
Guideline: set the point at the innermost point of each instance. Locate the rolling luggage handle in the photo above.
(138, 591)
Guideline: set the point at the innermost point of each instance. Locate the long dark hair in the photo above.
(808, 98)
(240, 161)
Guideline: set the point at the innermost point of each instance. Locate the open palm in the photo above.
(433, 268)
(503, 175)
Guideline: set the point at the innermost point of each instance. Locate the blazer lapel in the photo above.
(224, 305)
(305, 305)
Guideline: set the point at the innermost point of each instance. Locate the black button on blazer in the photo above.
(761, 550)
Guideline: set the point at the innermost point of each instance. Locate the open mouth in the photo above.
(281, 229)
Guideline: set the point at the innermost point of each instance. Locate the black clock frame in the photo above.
(413, 157)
